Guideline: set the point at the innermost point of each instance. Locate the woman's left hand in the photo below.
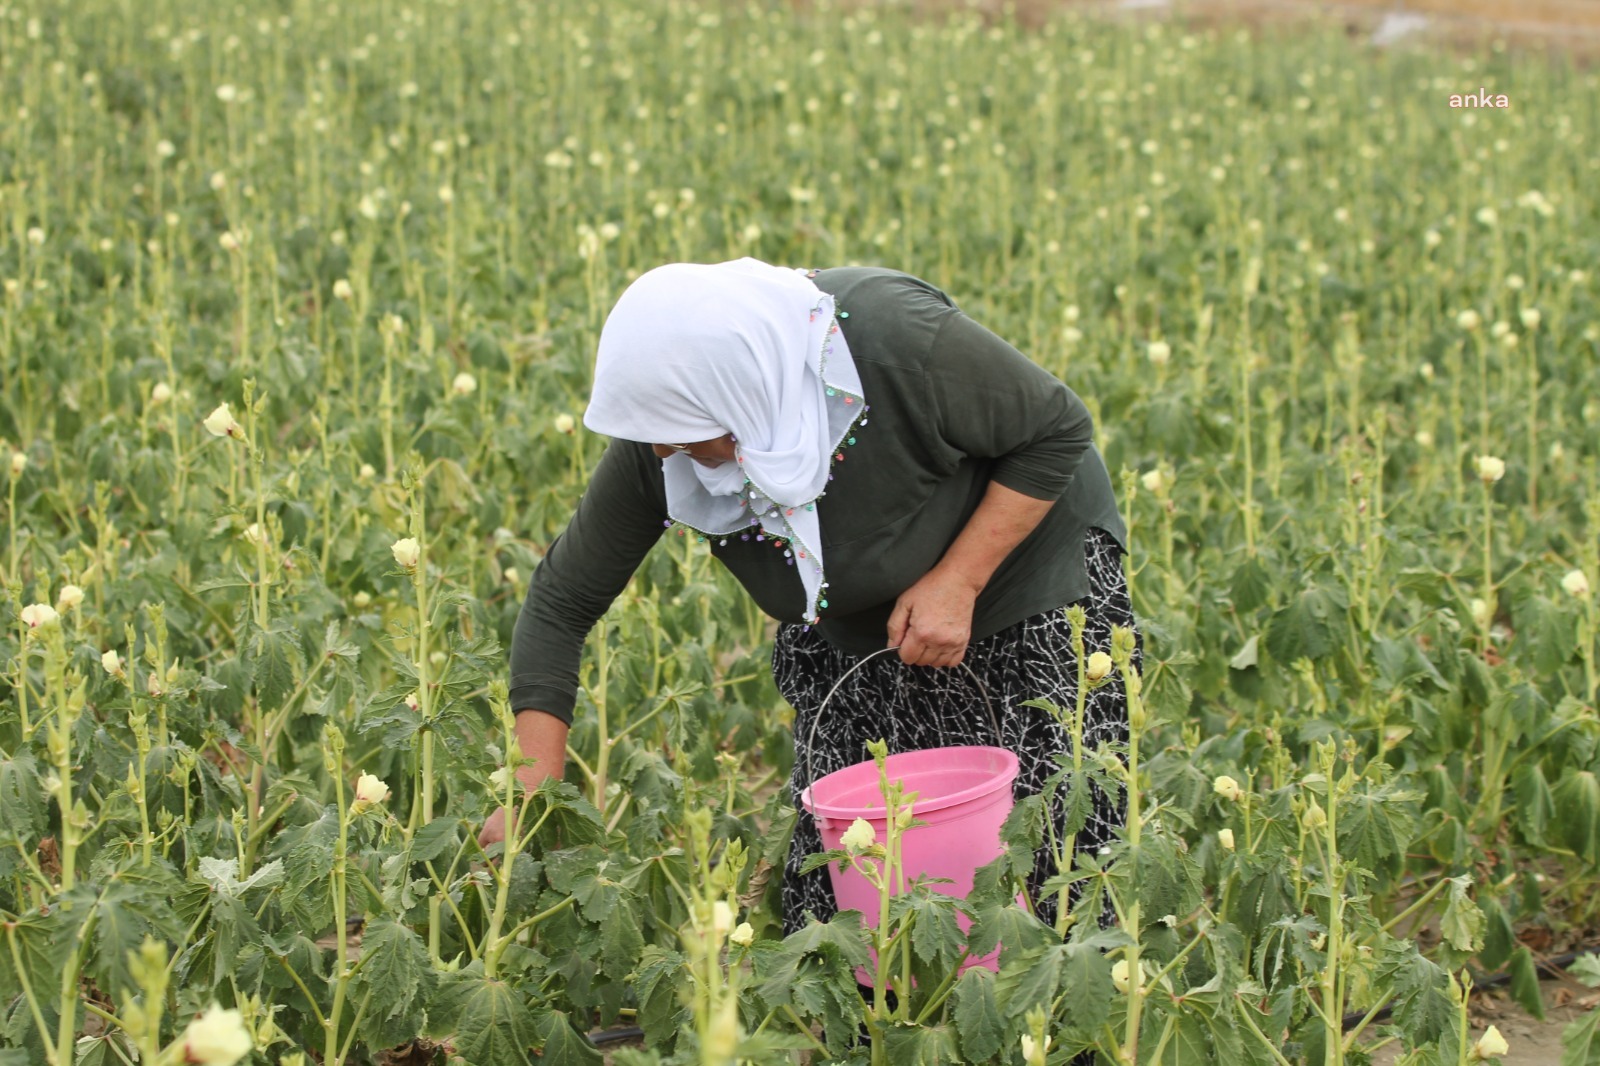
(932, 620)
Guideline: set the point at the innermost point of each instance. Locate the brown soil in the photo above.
(1568, 26)
(1533, 1043)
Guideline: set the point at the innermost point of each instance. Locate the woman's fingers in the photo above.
(912, 649)
(494, 829)
(897, 624)
(915, 651)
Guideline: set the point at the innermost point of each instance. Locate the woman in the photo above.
(877, 470)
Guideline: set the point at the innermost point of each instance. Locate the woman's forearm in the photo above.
(1004, 519)
(543, 739)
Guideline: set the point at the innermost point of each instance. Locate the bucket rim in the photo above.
(1003, 779)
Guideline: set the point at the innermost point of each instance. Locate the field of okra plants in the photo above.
(300, 305)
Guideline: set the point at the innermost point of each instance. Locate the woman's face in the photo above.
(712, 452)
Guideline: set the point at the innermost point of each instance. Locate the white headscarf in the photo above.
(693, 351)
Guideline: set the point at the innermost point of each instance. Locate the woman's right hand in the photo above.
(494, 829)
(543, 740)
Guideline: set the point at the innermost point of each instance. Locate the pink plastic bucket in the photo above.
(963, 794)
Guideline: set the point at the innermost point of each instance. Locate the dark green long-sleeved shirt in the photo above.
(952, 407)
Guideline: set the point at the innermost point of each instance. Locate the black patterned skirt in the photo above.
(917, 707)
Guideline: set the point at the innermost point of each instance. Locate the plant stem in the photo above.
(255, 456)
(1332, 973)
(1488, 567)
(425, 698)
(1421, 901)
(1133, 686)
(27, 990)
(1078, 619)
(1244, 1012)
(67, 1019)
(60, 745)
(355, 1024)
(1249, 457)
(491, 943)
(341, 949)
(602, 757)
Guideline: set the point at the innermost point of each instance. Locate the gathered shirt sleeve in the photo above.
(990, 401)
(619, 518)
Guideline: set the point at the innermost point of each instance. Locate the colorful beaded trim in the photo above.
(790, 553)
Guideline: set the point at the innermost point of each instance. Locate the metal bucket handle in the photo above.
(811, 737)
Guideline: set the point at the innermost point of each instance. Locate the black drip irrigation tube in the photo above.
(611, 1036)
(1547, 968)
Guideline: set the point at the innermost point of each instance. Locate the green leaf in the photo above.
(1577, 797)
(1251, 585)
(1167, 693)
(1376, 825)
(1079, 804)
(1586, 968)
(98, 1051)
(495, 1027)
(1580, 1041)
(34, 933)
(655, 982)
(1166, 879)
(527, 880)
(21, 798)
(1422, 1007)
(815, 974)
(277, 654)
(1032, 981)
(299, 955)
(1498, 937)
(595, 881)
(843, 936)
(133, 904)
(1022, 832)
(218, 584)
(921, 1045)
(1087, 972)
(621, 939)
(1525, 983)
(1247, 655)
(820, 859)
(1189, 1046)
(1463, 923)
(347, 687)
(1307, 627)
(1535, 809)
(562, 1045)
(1008, 926)
(769, 1047)
(1214, 1010)
(433, 839)
(335, 646)
(977, 1015)
(1546, 632)
(232, 925)
(935, 937)
(993, 884)
(398, 725)
(1401, 662)
(396, 970)
(223, 876)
